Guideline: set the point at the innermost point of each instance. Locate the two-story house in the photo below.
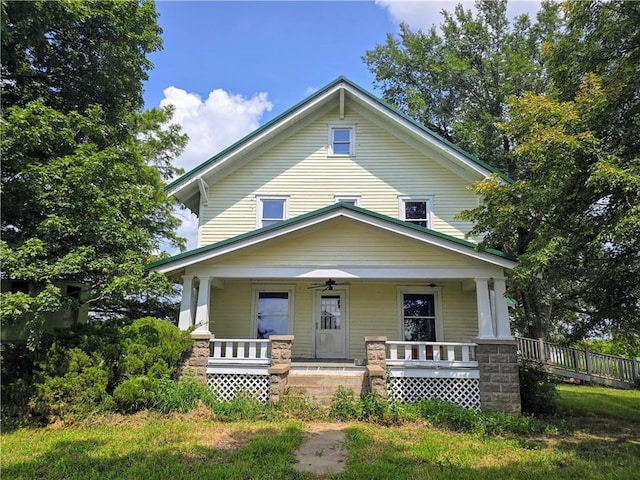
(334, 222)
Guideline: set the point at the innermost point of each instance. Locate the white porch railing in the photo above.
(431, 354)
(225, 351)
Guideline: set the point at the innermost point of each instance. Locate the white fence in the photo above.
(239, 351)
(581, 364)
(431, 354)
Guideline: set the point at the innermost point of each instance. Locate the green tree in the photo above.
(574, 214)
(71, 54)
(83, 165)
(455, 80)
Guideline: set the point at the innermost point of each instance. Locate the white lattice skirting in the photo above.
(463, 391)
(226, 386)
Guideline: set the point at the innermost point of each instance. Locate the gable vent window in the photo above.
(271, 210)
(341, 140)
(416, 209)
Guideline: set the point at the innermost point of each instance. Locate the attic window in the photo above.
(351, 199)
(341, 140)
(417, 209)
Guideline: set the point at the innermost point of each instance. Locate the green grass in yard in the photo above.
(595, 401)
(601, 441)
(415, 452)
(154, 448)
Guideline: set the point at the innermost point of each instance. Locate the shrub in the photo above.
(81, 390)
(242, 407)
(181, 396)
(152, 347)
(135, 394)
(460, 419)
(344, 405)
(93, 367)
(538, 392)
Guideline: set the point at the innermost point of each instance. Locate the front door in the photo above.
(330, 324)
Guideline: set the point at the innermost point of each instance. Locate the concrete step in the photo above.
(321, 385)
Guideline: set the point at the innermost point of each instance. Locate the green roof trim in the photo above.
(320, 212)
(317, 94)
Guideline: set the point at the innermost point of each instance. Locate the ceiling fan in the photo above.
(328, 285)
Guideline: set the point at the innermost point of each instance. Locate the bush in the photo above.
(370, 407)
(152, 347)
(460, 419)
(182, 396)
(81, 390)
(135, 394)
(94, 367)
(344, 405)
(538, 392)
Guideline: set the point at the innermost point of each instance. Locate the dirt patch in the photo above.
(322, 451)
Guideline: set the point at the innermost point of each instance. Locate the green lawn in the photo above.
(598, 438)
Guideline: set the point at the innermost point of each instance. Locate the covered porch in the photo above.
(333, 278)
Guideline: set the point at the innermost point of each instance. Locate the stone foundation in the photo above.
(280, 365)
(196, 360)
(377, 364)
(499, 381)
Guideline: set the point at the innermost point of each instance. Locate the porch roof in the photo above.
(176, 263)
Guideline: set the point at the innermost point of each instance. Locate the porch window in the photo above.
(419, 317)
(416, 209)
(273, 314)
(341, 140)
(271, 210)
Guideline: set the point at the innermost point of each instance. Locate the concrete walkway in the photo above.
(322, 451)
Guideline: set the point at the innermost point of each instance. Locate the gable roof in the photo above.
(187, 187)
(426, 235)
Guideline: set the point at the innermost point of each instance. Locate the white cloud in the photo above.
(425, 13)
(212, 125)
(215, 123)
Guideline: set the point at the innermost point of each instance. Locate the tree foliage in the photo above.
(555, 104)
(573, 217)
(455, 80)
(73, 54)
(83, 165)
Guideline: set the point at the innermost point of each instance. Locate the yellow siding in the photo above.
(230, 315)
(460, 314)
(347, 241)
(373, 310)
(383, 168)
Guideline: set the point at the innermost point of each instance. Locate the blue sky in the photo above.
(230, 66)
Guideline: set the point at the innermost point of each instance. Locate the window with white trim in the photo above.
(271, 209)
(272, 309)
(416, 209)
(342, 140)
(420, 314)
(352, 199)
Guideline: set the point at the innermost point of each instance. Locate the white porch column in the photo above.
(485, 325)
(503, 329)
(185, 320)
(202, 309)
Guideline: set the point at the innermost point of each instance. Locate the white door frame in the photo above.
(343, 292)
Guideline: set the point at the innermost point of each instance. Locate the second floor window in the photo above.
(271, 210)
(416, 209)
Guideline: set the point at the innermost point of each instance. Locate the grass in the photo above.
(598, 438)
